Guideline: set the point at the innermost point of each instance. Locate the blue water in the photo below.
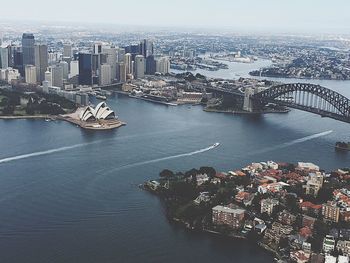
(69, 195)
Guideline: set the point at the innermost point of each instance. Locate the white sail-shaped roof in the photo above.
(101, 112)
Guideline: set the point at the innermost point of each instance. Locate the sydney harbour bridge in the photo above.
(303, 96)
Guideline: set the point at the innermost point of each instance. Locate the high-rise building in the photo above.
(18, 61)
(122, 72)
(41, 61)
(134, 50)
(151, 65)
(105, 75)
(65, 68)
(128, 63)
(74, 68)
(57, 76)
(85, 69)
(4, 57)
(139, 67)
(97, 48)
(48, 78)
(28, 49)
(146, 48)
(120, 54)
(111, 59)
(163, 65)
(67, 51)
(30, 74)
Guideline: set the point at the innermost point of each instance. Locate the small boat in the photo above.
(47, 120)
(101, 97)
(216, 144)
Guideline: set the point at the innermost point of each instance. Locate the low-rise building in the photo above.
(308, 207)
(314, 183)
(331, 211)
(277, 231)
(330, 259)
(268, 205)
(300, 256)
(286, 218)
(344, 247)
(343, 259)
(244, 198)
(328, 244)
(224, 215)
(308, 221)
(202, 198)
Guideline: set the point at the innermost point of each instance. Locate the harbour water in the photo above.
(71, 195)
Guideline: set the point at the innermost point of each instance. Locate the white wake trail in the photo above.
(29, 155)
(162, 159)
(287, 144)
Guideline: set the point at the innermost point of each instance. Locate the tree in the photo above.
(291, 204)
(8, 109)
(210, 171)
(166, 173)
(283, 242)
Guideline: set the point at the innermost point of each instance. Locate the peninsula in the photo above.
(297, 211)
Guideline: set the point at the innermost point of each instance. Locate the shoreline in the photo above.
(186, 225)
(17, 117)
(238, 112)
(106, 125)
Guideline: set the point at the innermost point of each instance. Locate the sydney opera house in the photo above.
(100, 112)
(99, 118)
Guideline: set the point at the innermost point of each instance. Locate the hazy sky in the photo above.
(260, 15)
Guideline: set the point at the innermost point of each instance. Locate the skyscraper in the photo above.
(67, 51)
(121, 54)
(163, 65)
(121, 72)
(4, 57)
(128, 63)
(57, 76)
(28, 49)
(41, 61)
(151, 65)
(85, 69)
(30, 74)
(146, 48)
(65, 68)
(139, 67)
(74, 68)
(48, 78)
(105, 75)
(111, 59)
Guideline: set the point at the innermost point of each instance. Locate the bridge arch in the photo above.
(308, 97)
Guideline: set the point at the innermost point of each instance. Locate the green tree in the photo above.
(166, 173)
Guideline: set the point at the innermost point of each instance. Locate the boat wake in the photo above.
(29, 155)
(164, 158)
(66, 148)
(287, 144)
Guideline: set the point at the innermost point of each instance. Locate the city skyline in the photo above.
(254, 16)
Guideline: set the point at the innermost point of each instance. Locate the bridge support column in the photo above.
(248, 102)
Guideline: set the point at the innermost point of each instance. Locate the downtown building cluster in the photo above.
(72, 69)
